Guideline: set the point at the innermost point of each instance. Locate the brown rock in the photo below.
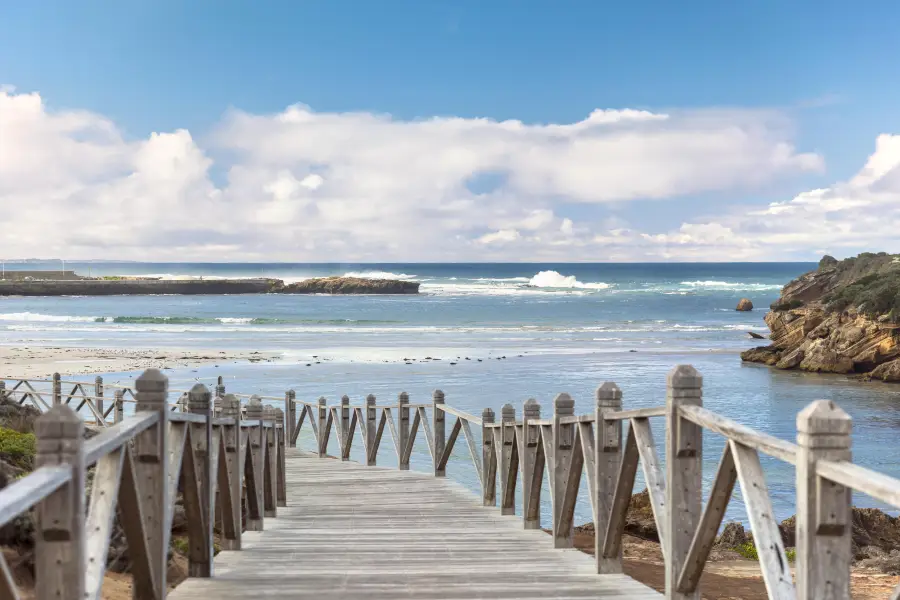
(767, 355)
(744, 305)
(351, 285)
(889, 371)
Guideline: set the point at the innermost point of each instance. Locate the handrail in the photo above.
(570, 448)
(137, 463)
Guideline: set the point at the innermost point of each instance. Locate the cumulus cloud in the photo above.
(305, 185)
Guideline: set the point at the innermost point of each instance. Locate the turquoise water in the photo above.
(513, 332)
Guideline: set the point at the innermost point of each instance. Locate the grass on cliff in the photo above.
(17, 448)
(874, 295)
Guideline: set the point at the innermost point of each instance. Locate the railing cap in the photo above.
(531, 408)
(403, 398)
(438, 396)
(322, 401)
(685, 376)
(345, 399)
(824, 417)
(487, 415)
(563, 404)
(370, 399)
(508, 412)
(609, 395)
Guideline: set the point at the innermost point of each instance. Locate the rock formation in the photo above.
(350, 285)
(744, 305)
(844, 317)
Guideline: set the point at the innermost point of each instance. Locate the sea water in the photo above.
(503, 333)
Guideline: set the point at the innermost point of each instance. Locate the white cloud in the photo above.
(302, 185)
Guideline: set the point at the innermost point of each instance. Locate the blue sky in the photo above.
(827, 68)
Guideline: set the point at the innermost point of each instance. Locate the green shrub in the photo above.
(747, 550)
(17, 448)
(791, 554)
(180, 545)
(874, 295)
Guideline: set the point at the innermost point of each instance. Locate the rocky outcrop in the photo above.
(745, 305)
(136, 286)
(351, 285)
(843, 317)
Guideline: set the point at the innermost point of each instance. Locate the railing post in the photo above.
(287, 423)
(60, 537)
(270, 463)
(2, 391)
(57, 390)
(231, 408)
(256, 439)
(488, 459)
(200, 551)
(507, 439)
(531, 411)
(439, 427)
(322, 417)
(371, 430)
(684, 475)
(402, 429)
(98, 393)
(563, 441)
(823, 507)
(152, 476)
(607, 458)
(292, 417)
(345, 427)
(280, 446)
(220, 387)
(119, 411)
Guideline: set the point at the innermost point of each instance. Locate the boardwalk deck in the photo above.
(352, 531)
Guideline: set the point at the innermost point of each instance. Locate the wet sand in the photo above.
(40, 361)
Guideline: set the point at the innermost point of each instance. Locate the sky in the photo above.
(417, 130)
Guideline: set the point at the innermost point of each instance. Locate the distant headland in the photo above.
(844, 317)
(68, 283)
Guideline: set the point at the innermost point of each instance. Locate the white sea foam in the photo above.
(235, 320)
(730, 285)
(38, 317)
(553, 279)
(378, 275)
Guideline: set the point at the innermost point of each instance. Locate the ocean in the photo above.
(503, 333)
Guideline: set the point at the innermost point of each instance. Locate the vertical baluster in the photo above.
(531, 510)
(345, 427)
(607, 457)
(322, 418)
(439, 433)
(120, 406)
(151, 467)
(684, 475)
(98, 393)
(256, 439)
(824, 524)
(57, 390)
(402, 429)
(488, 459)
(280, 446)
(59, 534)
(288, 424)
(200, 551)
(563, 440)
(371, 429)
(231, 408)
(507, 439)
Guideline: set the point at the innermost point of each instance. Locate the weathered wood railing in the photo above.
(140, 463)
(568, 447)
(43, 394)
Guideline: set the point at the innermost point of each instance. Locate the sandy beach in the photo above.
(40, 361)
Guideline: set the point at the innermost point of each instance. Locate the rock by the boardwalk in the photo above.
(744, 305)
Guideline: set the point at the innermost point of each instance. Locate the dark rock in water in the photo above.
(744, 305)
(755, 335)
(350, 285)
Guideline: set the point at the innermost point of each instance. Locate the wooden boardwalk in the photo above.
(351, 531)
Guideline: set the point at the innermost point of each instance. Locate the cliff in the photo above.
(144, 286)
(351, 285)
(844, 317)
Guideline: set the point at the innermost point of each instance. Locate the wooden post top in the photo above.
(370, 399)
(152, 390)
(254, 408)
(322, 401)
(403, 398)
(824, 424)
(508, 413)
(199, 399)
(59, 435)
(531, 409)
(231, 406)
(563, 405)
(438, 397)
(684, 377)
(487, 416)
(609, 396)
(345, 400)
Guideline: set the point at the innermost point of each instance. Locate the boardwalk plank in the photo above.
(351, 531)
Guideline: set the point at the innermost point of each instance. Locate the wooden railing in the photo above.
(215, 457)
(568, 447)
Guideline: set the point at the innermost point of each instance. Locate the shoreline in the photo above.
(30, 362)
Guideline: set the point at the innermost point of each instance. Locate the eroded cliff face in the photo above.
(838, 319)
